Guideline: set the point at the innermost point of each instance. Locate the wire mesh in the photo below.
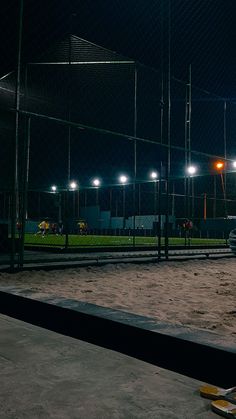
(88, 113)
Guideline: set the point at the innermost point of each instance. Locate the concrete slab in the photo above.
(180, 349)
(48, 375)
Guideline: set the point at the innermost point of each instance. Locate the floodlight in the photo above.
(73, 185)
(54, 188)
(191, 170)
(154, 175)
(219, 165)
(96, 182)
(123, 179)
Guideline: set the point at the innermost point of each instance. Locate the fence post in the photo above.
(25, 176)
(15, 183)
(135, 151)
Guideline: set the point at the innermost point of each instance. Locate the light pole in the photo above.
(139, 199)
(96, 183)
(204, 206)
(73, 187)
(123, 179)
(191, 171)
(154, 176)
(54, 190)
(220, 166)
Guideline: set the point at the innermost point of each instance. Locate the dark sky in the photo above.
(202, 33)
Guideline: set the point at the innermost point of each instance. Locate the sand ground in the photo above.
(195, 293)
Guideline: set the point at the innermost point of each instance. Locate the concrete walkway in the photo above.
(48, 375)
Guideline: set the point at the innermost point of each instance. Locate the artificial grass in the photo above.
(110, 241)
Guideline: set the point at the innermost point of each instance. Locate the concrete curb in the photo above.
(186, 351)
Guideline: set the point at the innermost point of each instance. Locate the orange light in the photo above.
(219, 165)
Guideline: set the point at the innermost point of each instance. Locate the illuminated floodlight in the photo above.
(154, 175)
(123, 179)
(191, 170)
(73, 185)
(219, 165)
(234, 164)
(53, 188)
(96, 182)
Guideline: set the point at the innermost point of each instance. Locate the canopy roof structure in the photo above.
(75, 50)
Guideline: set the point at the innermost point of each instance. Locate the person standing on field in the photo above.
(42, 228)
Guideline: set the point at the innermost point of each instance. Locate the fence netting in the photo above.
(103, 156)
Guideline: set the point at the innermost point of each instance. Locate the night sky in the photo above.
(202, 33)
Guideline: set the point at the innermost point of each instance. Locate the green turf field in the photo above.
(109, 241)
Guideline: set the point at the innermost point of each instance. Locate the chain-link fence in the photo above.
(106, 153)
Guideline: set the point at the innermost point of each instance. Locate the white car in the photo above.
(232, 240)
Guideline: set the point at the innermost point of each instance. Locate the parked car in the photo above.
(232, 240)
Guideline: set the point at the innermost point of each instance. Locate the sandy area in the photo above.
(197, 293)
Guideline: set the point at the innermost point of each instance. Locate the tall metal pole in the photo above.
(110, 201)
(155, 200)
(159, 212)
(135, 151)
(224, 178)
(191, 181)
(124, 206)
(15, 186)
(162, 72)
(59, 208)
(116, 203)
(78, 203)
(85, 198)
(69, 153)
(205, 206)
(25, 192)
(25, 176)
(139, 199)
(224, 193)
(193, 199)
(110, 207)
(74, 204)
(161, 128)
(214, 200)
(188, 114)
(168, 134)
(173, 200)
(97, 196)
